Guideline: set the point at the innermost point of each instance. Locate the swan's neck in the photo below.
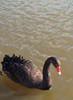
(46, 75)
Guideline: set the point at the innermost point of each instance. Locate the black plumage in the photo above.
(26, 73)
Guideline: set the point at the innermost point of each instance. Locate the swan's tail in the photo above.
(8, 62)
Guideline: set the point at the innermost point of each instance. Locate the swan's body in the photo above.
(26, 73)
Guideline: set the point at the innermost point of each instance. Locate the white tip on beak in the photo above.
(59, 73)
(58, 70)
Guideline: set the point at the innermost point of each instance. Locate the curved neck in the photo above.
(46, 74)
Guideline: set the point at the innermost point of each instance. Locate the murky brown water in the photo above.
(37, 29)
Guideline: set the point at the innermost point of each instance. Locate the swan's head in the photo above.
(56, 63)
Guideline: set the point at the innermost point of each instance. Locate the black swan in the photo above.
(27, 74)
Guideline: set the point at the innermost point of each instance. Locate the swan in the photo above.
(25, 73)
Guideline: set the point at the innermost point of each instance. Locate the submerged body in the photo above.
(26, 73)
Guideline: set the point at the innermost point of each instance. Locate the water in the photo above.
(38, 29)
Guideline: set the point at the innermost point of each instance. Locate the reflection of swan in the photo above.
(27, 74)
(18, 89)
(0, 72)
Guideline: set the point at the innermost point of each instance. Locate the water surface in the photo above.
(38, 29)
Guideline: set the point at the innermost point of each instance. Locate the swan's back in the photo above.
(22, 71)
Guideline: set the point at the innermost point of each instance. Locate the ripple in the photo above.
(38, 30)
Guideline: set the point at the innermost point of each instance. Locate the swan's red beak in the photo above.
(58, 70)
